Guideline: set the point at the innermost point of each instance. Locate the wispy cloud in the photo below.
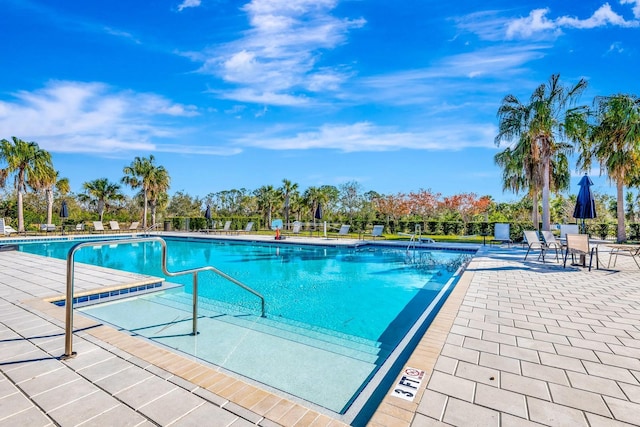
(89, 117)
(188, 3)
(277, 59)
(537, 22)
(494, 25)
(365, 136)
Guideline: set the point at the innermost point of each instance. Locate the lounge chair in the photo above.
(578, 244)
(297, 227)
(344, 230)
(134, 226)
(98, 227)
(79, 228)
(225, 229)
(377, 231)
(47, 228)
(533, 242)
(114, 226)
(247, 229)
(502, 234)
(5, 229)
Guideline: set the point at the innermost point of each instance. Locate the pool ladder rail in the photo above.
(69, 353)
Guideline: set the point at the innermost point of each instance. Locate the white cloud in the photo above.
(636, 6)
(89, 117)
(365, 136)
(276, 58)
(537, 24)
(188, 3)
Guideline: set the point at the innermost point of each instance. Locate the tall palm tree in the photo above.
(159, 184)
(140, 174)
(45, 181)
(288, 190)
(546, 122)
(100, 192)
(615, 144)
(28, 162)
(267, 198)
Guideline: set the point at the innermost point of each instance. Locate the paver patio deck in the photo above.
(516, 343)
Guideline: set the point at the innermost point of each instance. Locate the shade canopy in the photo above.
(585, 203)
(64, 210)
(318, 214)
(207, 213)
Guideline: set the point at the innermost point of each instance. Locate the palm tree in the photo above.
(288, 190)
(615, 144)
(267, 198)
(28, 162)
(140, 174)
(159, 184)
(100, 192)
(46, 180)
(549, 118)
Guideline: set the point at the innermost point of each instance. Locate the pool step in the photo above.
(358, 348)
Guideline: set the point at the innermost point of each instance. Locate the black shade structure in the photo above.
(585, 203)
(318, 214)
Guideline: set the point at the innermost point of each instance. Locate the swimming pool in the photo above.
(334, 314)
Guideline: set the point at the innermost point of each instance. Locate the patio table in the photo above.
(633, 250)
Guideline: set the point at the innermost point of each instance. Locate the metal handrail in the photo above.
(68, 347)
(151, 227)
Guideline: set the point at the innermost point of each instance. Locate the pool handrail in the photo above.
(68, 347)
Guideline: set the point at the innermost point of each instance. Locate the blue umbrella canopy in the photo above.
(318, 214)
(585, 203)
(64, 210)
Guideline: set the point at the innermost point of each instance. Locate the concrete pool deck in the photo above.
(516, 343)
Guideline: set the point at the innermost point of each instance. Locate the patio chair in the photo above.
(5, 229)
(114, 226)
(551, 242)
(578, 244)
(533, 242)
(134, 226)
(502, 234)
(98, 227)
(79, 228)
(568, 229)
(297, 227)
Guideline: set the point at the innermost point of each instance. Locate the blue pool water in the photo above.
(333, 314)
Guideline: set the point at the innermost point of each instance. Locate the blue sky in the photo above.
(395, 95)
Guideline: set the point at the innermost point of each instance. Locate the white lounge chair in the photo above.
(98, 227)
(297, 227)
(47, 228)
(5, 229)
(225, 229)
(247, 229)
(114, 226)
(80, 228)
(344, 230)
(502, 234)
(134, 226)
(377, 231)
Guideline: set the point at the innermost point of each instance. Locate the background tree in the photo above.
(545, 122)
(100, 193)
(268, 198)
(141, 174)
(615, 144)
(28, 162)
(289, 189)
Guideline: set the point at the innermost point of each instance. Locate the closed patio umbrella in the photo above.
(64, 213)
(585, 203)
(207, 214)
